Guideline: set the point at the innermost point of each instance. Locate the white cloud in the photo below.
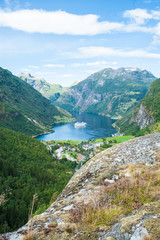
(45, 73)
(114, 63)
(139, 19)
(87, 52)
(90, 64)
(54, 65)
(61, 22)
(156, 14)
(156, 41)
(26, 70)
(78, 64)
(67, 75)
(138, 15)
(58, 22)
(94, 64)
(97, 63)
(33, 66)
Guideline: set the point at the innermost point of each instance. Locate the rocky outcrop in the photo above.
(142, 118)
(136, 162)
(145, 117)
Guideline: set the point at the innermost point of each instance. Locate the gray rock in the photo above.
(139, 234)
(115, 233)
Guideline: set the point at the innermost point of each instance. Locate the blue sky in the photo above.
(67, 40)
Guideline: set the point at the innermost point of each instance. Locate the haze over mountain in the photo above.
(111, 92)
(24, 109)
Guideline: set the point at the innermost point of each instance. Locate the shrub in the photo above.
(116, 200)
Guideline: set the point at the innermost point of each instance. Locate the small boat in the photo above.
(80, 124)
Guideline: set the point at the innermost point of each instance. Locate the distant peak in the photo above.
(30, 76)
(26, 75)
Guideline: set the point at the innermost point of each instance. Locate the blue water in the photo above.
(97, 126)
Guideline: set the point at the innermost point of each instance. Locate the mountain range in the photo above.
(115, 195)
(111, 92)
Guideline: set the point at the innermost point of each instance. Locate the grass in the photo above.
(117, 199)
(119, 139)
(71, 142)
(73, 154)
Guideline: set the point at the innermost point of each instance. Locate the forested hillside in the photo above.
(27, 168)
(24, 109)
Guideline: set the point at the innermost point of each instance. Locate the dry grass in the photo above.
(117, 200)
(29, 235)
(2, 198)
(147, 238)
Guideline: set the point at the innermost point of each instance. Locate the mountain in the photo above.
(27, 168)
(112, 92)
(146, 115)
(50, 91)
(114, 196)
(24, 109)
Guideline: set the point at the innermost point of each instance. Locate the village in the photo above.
(78, 151)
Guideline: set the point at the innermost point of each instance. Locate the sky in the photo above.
(64, 41)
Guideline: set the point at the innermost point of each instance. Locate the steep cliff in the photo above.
(142, 118)
(112, 92)
(145, 114)
(115, 195)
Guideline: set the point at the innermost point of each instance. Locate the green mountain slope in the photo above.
(50, 91)
(24, 109)
(146, 115)
(112, 92)
(26, 168)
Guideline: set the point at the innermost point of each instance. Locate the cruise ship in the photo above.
(80, 124)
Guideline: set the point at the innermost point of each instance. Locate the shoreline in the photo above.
(50, 130)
